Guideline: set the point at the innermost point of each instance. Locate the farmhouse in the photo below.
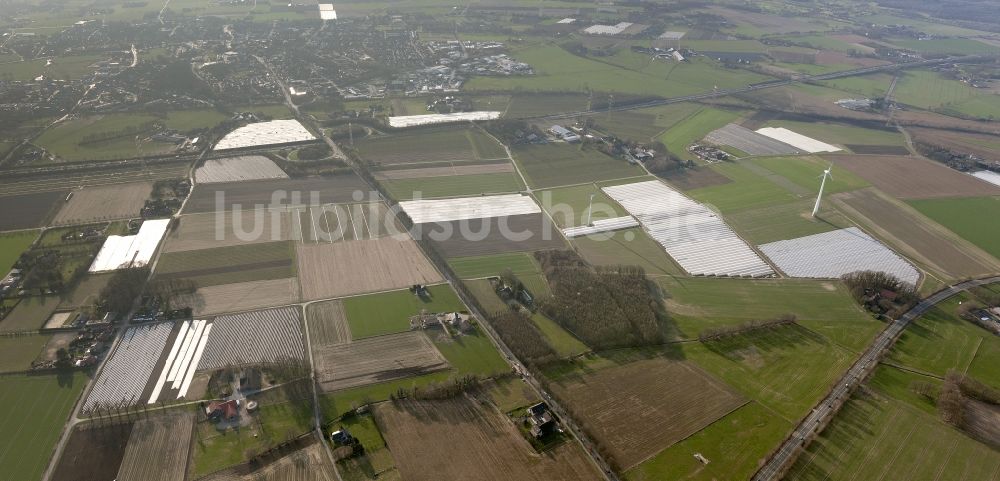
(223, 410)
(563, 133)
(540, 420)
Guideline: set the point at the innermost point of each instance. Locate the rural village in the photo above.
(248, 240)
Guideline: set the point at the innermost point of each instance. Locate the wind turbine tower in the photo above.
(822, 184)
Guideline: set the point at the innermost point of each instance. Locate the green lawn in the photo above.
(748, 190)
(335, 404)
(471, 354)
(19, 351)
(11, 246)
(733, 446)
(454, 185)
(823, 306)
(787, 369)
(806, 171)
(390, 312)
(570, 206)
(520, 263)
(968, 218)
(34, 409)
(558, 164)
(694, 128)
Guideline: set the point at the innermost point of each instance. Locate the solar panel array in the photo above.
(131, 364)
(464, 208)
(603, 225)
(697, 238)
(253, 337)
(833, 254)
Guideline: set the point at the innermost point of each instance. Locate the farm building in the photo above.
(563, 133)
(223, 410)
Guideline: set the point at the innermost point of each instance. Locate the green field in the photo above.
(471, 353)
(842, 134)
(955, 46)
(805, 172)
(454, 143)
(454, 186)
(822, 306)
(390, 312)
(748, 190)
(520, 263)
(968, 218)
(787, 369)
(19, 351)
(785, 221)
(870, 86)
(694, 128)
(570, 206)
(531, 105)
(67, 140)
(558, 164)
(630, 247)
(732, 445)
(882, 437)
(940, 340)
(11, 246)
(35, 408)
(643, 125)
(30, 314)
(226, 265)
(560, 71)
(335, 404)
(561, 340)
(929, 90)
(62, 68)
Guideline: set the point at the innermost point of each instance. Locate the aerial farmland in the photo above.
(539, 240)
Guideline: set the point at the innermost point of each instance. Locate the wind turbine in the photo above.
(822, 184)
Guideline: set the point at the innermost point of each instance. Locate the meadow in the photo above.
(732, 445)
(806, 171)
(693, 128)
(822, 306)
(12, 244)
(929, 90)
(748, 190)
(966, 217)
(34, 408)
(454, 186)
(519, 263)
(556, 164)
(570, 206)
(389, 312)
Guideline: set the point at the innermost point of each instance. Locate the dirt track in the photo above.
(460, 440)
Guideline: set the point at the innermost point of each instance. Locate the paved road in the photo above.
(768, 85)
(828, 407)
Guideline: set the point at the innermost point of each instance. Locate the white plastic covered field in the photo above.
(797, 140)
(133, 250)
(833, 254)
(265, 133)
(464, 208)
(603, 225)
(183, 359)
(412, 120)
(697, 238)
(238, 169)
(128, 370)
(988, 176)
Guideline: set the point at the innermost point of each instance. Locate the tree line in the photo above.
(604, 307)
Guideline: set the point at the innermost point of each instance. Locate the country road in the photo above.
(830, 405)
